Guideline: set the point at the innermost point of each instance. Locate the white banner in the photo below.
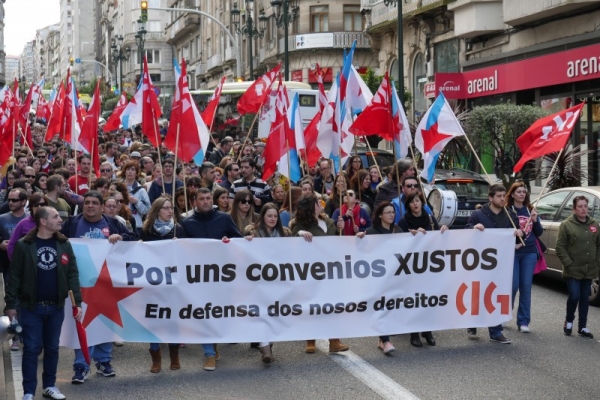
(278, 289)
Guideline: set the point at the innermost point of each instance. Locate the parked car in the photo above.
(553, 208)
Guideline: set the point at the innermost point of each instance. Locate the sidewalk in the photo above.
(7, 390)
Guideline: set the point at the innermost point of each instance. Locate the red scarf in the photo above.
(349, 223)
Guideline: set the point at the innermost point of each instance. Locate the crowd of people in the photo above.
(143, 193)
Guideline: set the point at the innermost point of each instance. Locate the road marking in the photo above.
(379, 382)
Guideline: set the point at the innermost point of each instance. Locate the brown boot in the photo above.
(335, 346)
(310, 346)
(174, 354)
(267, 356)
(156, 361)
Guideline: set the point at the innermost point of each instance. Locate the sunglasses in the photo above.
(105, 170)
(411, 185)
(14, 200)
(30, 176)
(245, 201)
(41, 156)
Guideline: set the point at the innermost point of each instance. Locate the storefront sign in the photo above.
(314, 40)
(327, 75)
(564, 67)
(429, 91)
(297, 76)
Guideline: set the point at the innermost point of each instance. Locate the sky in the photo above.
(23, 17)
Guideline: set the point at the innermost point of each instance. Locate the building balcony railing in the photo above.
(336, 40)
(200, 69)
(214, 62)
(380, 13)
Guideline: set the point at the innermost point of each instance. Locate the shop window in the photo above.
(319, 18)
(446, 56)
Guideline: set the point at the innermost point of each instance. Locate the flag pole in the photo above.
(335, 183)
(162, 178)
(249, 133)
(91, 161)
(287, 146)
(490, 182)
(373, 156)
(175, 165)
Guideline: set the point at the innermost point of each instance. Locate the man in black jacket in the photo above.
(208, 223)
(92, 224)
(494, 215)
(43, 255)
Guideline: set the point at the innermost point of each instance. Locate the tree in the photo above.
(493, 130)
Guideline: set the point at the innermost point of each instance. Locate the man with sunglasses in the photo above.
(107, 170)
(232, 174)
(36, 201)
(17, 198)
(42, 155)
(409, 185)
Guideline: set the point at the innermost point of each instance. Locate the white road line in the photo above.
(379, 382)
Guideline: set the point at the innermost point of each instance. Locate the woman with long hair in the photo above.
(160, 224)
(121, 195)
(354, 165)
(350, 217)
(36, 164)
(139, 202)
(111, 208)
(375, 177)
(278, 195)
(383, 223)
(417, 220)
(242, 210)
(361, 184)
(11, 177)
(339, 188)
(525, 256)
(221, 199)
(286, 212)
(310, 222)
(180, 208)
(39, 185)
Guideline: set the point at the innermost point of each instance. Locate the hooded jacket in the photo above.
(578, 248)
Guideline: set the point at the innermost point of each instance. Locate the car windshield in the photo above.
(466, 189)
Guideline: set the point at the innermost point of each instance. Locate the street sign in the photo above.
(78, 61)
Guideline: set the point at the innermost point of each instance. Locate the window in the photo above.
(208, 49)
(353, 20)
(548, 205)
(319, 18)
(155, 78)
(153, 26)
(446, 56)
(153, 56)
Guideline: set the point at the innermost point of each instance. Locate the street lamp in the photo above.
(248, 29)
(119, 55)
(400, 60)
(283, 19)
(139, 40)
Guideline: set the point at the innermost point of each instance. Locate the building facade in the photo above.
(3, 75)
(27, 70)
(11, 68)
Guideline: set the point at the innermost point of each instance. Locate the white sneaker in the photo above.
(524, 329)
(53, 393)
(28, 396)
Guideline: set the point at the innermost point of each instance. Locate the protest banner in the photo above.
(279, 289)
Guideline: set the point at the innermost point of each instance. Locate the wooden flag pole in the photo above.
(156, 136)
(414, 162)
(335, 185)
(490, 182)
(373, 156)
(249, 133)
(287, 146)
(175, 165)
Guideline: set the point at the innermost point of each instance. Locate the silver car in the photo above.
(555, 207)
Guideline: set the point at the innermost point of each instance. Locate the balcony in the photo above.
(183, 27)
(200, 69)
(477, 17)
(336, 40)
(519, 12)
(382, 14)
(229, 56)
(214, 62)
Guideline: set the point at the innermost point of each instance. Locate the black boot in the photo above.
(415, 341)
(428, 336)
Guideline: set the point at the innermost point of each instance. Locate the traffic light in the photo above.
(144, 7)
(71, 61)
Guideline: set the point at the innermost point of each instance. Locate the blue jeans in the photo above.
(41, 326)
(522, 281)
(495, 331)
(209, 349)
(579, 294)
(100, 353)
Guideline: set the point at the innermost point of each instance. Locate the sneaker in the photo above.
(568, 328)
(28, 396)
(210, 364)
(472, 331)
(53, 393)
(80, 374)
(15, 345)
(388, 348)
(584, 332)
(500, 339)
(105, 369)
(524, 329)
(118, 344)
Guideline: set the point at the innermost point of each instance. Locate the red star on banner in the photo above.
(432, 136)
(103, 298)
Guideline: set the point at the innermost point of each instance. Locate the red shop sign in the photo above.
(429, 90)
(327, 75)
(575, 65)
(297, 76)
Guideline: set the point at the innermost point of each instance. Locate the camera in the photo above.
(14, 328)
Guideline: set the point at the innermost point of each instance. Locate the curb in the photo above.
(6, 378)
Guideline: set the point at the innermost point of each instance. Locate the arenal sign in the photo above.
(558, 68)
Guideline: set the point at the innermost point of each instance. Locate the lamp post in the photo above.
(139, 40)
(249, 30)
(283, 19)
(119, 55)
(398, 3)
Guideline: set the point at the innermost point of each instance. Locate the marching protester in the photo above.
(350, 217)
(416, 220)
(383, 223)
(324, 183)
(287, 211)
(494, 215)
(389, 191)
(208, 176)
(208, 223)
(25, 225)
(92, 224)
(56, 189)
(261, 191)
(310, 222)
(268, 225)
(221, 200)
(341, 185)
(361, 185)
(525, 256)
(79, 183)
(278, 194)
(139, 202)
(167, 178)
(161, 225)
(232, 173)
(17, 198)
(242, 211)
(354, 165)
(375, 177)
(578, 249)
(43, 271)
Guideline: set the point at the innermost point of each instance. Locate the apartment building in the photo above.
(44, 53)
(3, 75)
(11, 68)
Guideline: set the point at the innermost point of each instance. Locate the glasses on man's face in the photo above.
(244, 201)
(30, 176)
(167, 208)
(235, 169)
(14, 200)
(411, 185)
(41, 156)
(105, 170)
(119, 200)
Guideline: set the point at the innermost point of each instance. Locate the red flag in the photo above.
(70, 124)
(185, 122)
(311, 132)
(43, 108)
(55, 121)
(89, 133)
(150, 109)
(7, 139)
(253, 99)
(208, 114)
(115, 118)
(376, 118)
(24, 117)
(547, 135)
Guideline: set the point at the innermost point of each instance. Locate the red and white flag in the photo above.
(253, 99)
(208, 115)
(115, 118)
(55, 121)
(89, 133)
(547, 135)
